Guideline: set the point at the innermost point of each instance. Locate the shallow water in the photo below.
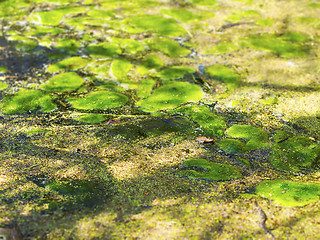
(115, 94)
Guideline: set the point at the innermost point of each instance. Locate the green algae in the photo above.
(69, 64)
(175, 72)
(63, 82)
(119, 69)
(104, 50)
(150, 64)
(3, 69)
(90, 118)
(108, 85)
(3, 85)
(223, 47)
(265, 22)
(130, 46)
(289, 193)
(256, 137)
(289, 45)
(26, 100)
(98, 13)
(209, 122)
(224, 74)
(185, 15)
(231, 145)
(169, 95)
(209, 170)
(167, 46)
(98, 68)
(152, 23)
(24, 43)
(205, 2)
(294, 153)
(99, 100)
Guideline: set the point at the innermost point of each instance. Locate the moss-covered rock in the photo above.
(289, 193)
(120, 68)
(150, 64)
(104, 50)
(175, 72)
(231, 145)
(207, 170)
(69, 64)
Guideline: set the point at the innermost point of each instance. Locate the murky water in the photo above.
(112, 93)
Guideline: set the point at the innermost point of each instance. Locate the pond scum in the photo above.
(102, 103)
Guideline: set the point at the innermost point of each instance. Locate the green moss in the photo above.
(209, 170)
(269, 101)
(24, 43)
(175, 72)
(287, 45)
(99, 100)
(63, 82)
(69, 64)
(129, 45)
(167, 46)
(184, 15)
(26, 100)
(289, 193)
(104, 14)
(69, 46)
(150, 64)
(224, 74)
(231, 145)
(152, 23)
(108, 85)
(104, 50)
(294, 154)
(100, 69)
(205, 2)
(120, 68)
(3, 85)
(256, 137)
(208, 121)
(223, 47)
(90, 118)
(3, 69)
(169, 95)
(266, 22)
(144, 88)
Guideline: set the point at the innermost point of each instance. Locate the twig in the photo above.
(262, 220)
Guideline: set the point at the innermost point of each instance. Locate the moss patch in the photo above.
(167, 46)
(3, 85)
(169, 95)
(225, 75)
(90, 118)
(100, 100)
(104, 50)
(120, 68)
(63, 82)
(207, 170)
(289, 193)
(175, 72)
(26, 100)
(231, 145)
(150, 64)
(69, 64)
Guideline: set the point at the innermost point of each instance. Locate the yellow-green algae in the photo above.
(3, 85)
(104, 50)
(207, 170)
(69, 64)
(256, 137)
(185, 15)
(224, 74)
(167, 46)
(63, 82)
(289, 193)
(130, 46)
(26, 100)
(99, 100)
(150, 64)
(91, 118)
(120, 68)
(174, 72)
(171, 94)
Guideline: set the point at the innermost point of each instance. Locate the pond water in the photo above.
(181, 102)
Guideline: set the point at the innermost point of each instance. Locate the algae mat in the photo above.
(148, 119)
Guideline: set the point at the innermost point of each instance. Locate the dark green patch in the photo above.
(104, 50)
(231, 145)
(204, 169)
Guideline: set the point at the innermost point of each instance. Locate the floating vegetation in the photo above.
(152, 23)
(171, 94)
(294, 153)
(26, 100)
(207, 170)
(287, 45)
(167, 46)
(69, 64)
(289, 193)
(99, 100)
(255, 137)
(104, 50)
(209, 122)
(225, 75)
(63, 82)
(175, 72)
